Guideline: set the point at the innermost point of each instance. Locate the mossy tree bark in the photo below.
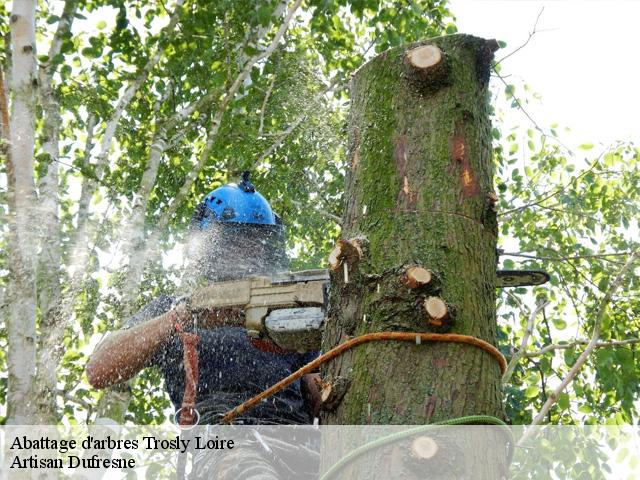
(419, 193)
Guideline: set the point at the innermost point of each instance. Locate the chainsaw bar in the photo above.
(520, 278)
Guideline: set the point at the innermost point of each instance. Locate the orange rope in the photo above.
(191, 372)
(369, 337)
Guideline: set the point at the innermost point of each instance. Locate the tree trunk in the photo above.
(21, 327)
(49, 261)
(115, 400)
(134, 234)
(417, 196)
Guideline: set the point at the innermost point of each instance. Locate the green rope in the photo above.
(468, 420)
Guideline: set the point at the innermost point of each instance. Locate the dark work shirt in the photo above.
(231, 371)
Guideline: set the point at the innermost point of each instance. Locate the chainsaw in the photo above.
(289, 308)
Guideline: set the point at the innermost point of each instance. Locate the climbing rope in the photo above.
(187, 411)
(369, 337)
(468, 420)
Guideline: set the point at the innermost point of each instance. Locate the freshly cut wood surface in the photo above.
(424, 448)
(425, 56)
(415, 277)
(436, 309)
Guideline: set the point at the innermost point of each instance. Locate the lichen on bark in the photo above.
(420, 175)
(421, 172)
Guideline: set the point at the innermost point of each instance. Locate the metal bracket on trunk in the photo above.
(520, 278)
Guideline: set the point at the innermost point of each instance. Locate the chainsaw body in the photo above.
(289, 308)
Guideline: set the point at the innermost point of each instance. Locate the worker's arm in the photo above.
(123, 353)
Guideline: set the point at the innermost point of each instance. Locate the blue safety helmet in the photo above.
(235, 234)
(234, 203)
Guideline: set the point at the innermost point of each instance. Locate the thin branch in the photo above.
(208, 98)
(526, 114)
(182, 114)
(553, 398)
(531, 34)
(562, 259)
(553, 208)
(64, 26)
(546, 324)
(519, 105)
(89, 186)
(553, 193)
(282, 136)
(85, 194)
(79, 401)
(328, 215)
(217, 119)
(132, 89)
(162, 99)
(523, 344)
(582, 341)
(267, 95)
(5, 135)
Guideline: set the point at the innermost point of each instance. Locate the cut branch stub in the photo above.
(492, 200)
(425, 57)
(424, 448)
(346, 251)
(428, 62)
(416, 277)
(331, 393)
(324, 387)
(437, 311)
(325, 392)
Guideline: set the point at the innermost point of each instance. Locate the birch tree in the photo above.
(21, 320)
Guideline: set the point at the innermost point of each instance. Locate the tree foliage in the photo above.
(572, 213)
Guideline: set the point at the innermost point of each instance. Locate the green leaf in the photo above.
(264, 15)
(585, 146)
(585, 408)
(509, 90)
(622, 454)
(532, 391)
(559, 323)
(570, 356)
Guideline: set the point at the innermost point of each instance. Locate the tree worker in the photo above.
(233, 234)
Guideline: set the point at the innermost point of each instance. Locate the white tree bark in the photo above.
(134, 237)
(113, 403)
(48, 287)
(21, 328)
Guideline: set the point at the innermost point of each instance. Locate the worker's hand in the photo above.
(220, 317)
(182, 314)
